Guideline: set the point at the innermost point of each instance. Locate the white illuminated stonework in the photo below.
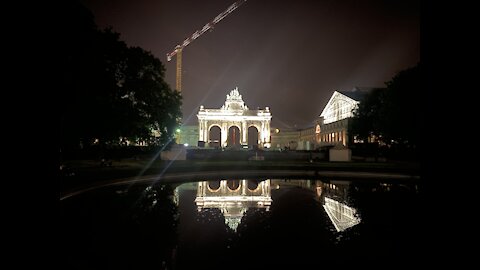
(233, 198)
(234, 113)
(341, 215)
(338, 107)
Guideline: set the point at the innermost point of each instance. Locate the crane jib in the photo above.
(196, 35)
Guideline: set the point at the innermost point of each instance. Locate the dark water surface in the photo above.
(250, 224)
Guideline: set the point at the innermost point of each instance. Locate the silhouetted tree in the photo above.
(110, 90)
(403, 107)
(368, 119)
(395, 114)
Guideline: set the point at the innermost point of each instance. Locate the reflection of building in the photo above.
(234, 121)
(333, 196)
(341, 215)
(233, 198)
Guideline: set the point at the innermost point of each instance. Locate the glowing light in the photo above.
(341, 215)
(178, 130)
(185, 144)
(234, 113)
(233, 203)
(338, 107)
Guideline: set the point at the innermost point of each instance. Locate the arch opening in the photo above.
(233, 184)
(215, 136)
(233, 137)
(253, 137)
(213, 185)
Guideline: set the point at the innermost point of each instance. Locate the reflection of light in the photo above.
(341, 215)
(233, 203)
(176, 197)
(185, 144)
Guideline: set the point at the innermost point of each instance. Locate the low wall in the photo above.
(340, 154)
(218, 154)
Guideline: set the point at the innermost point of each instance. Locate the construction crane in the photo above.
(198, 33)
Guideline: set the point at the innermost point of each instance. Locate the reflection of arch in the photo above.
(252, 185)
(253, 136)
(233, 204)
(233, 136)
(233, 185)
(213, 186)
(215, 136)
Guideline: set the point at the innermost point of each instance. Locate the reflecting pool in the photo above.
(242, 223)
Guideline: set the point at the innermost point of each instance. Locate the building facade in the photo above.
(333, 124)
(283, 139)
(235, 121)
(331, 127)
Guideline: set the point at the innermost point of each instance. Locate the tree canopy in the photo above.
(394, 114)
(112, 91)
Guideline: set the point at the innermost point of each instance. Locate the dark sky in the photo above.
(288, 55)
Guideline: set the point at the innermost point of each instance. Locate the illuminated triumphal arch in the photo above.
(235, 121)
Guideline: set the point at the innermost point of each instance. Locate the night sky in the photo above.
(288, 55)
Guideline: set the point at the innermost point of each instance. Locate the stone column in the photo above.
(200, 131)
(244, 132)
(244, 187)
(267, 183)
(200, 191)
(224, 135)
(206, 133)
(267, 131)
(262, 133)
(223, 186)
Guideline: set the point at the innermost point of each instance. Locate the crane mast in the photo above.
(179, 48)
